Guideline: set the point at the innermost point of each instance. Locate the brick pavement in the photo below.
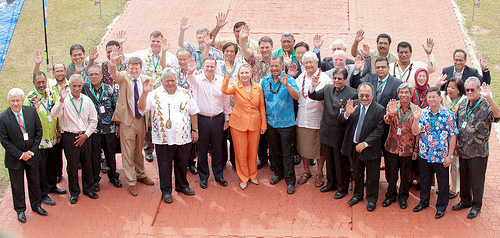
(267, 210)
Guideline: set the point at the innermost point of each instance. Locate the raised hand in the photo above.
(37, 103)
(63, 94)
(292, 71)
(315, 80)
(486, 91)
(392, 107)
(191, 65)
(429, 46)
(221, 19)
(229, 68)
(147, 85)
(121, 36)
(287, 58)
(358, 63)
(245, 32)
(359, 35)
(38, 57)
(284, 79)
(115, 55)
(207, 40)
(349, 109)
(318, 41)
(365, 50)
(417, 112)
(441, 80)
(485, 58)
(184, 24)
(164, 45)
(93, 53)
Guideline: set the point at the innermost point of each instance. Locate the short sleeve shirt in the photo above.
(279, 102)
(197, 54)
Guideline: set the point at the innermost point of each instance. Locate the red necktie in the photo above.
(20, 121)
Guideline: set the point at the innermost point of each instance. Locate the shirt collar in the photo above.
(383, 78)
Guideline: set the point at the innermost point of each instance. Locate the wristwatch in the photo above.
(195, 130)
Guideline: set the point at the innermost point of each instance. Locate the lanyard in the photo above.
(423, 101)
(234, 69)
(180, 81)
(453, 103)
(382, 84)
(93, 91)
(58, 91)
(407, 114)
(433, 122)
(199, 57)
(388, 56)
(477, 103)
(40, 96)
(81, 104)
(157, 61)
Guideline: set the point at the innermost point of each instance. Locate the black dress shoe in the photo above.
(167, 198)
(21, 217)
(451, 195)
(371, 206)
(439, 214)
(312, 162)
(387, 202)
(48, 201)
(40, 211)
(353, 201)
(290, 188)
(403, 204)
(473, 213)
(327, 188)
(91, 195)
(58, 179)
(260, 164)
(274, 180)
(339, 195)
(203, 184)
(96, 187)
(459, 206)
(149, 157)
(116, 183)
(187, 191)
(104, 167)
(57, 190)
(297, 159)
(73, 199)
(222, 181)
(418, 208)
(193, 169)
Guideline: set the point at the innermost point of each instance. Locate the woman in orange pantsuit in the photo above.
(247, 121)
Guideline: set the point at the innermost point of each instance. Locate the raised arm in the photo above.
(221, 22)
(146, 88)
(486, 93)
(358, 38)
(164, 48)
(38, 61)
(431, 62)
(115, 56)
(225, 88)
(244, 33)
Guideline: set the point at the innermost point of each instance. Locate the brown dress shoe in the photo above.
(146, 181)
(132, 190)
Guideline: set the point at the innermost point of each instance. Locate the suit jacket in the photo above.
(468, 72)
(390, 88)
(11, 137)
(123, 114)
(371, 131)
(249, 112)
(331, 131)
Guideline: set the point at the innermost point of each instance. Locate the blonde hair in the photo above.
(245, 65)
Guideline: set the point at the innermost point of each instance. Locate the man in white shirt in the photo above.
(405, 68)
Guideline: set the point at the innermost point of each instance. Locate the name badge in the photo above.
(25, 136)
(430, 138)
(49, 118)
(80, 122)
(102, 109)
(399, 131)
(464, 125)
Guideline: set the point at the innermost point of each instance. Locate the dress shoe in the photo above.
(473, 213)
(353, 201)
(418, 208)
(403, 204)
(57, 190)
(297, 159)
(132, 190)
(193, 169)
(327, 188)
(187, 191)
(260, 164)
(149, 157)
(290, 188)
(167, 198)
(274, 180)
(203, 184)
(40, 211)
(254, 181)
(21, 217)
(243, 185)
(459, 206)
(451, 195)
(104, 168)
(339, 195)
(73, 199)
(48, 201)
(91, 195)
(387, 202)
(96, 187)
(221, 181)
(116, 183)
(371, 206)
(146, 181)
(439, 214)
(312, 162)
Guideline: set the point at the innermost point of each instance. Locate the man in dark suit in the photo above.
(462, 71)
(20, 134)
(331, 131)
(328, 62)
(362, 141)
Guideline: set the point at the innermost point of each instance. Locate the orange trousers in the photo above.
(246, 144)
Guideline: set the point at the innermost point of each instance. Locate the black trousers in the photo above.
(149, 147)
(17, 186)
(472, 175)
(394, 164)
(337, 168)
(211, 133)
(262, 153)
(193, 154)
(281, 150)
(58, 161)
(106, 143)
(47, 173)
(165, 155)
(75, 155)
(427, 171)
(225, 138)
(372, 177)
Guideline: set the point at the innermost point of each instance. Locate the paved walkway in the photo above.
(267, 210)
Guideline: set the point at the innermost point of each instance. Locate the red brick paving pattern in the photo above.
(266, 210)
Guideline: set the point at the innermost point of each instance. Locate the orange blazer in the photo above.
(249, 112)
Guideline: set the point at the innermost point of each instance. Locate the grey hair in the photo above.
(310, 55)
(367, 84)
(74, 77)
(344, 45)
(168, 72)
(474, 80)
(340, 52)
(275, 57)
(287, 34)
(201, 31)
(403, 86)
(183, 50)
(15, 92)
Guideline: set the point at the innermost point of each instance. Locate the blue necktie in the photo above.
(136, 100)
(361, 119)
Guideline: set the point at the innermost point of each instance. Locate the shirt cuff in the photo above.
(316, 51)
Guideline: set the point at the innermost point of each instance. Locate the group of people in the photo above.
(236, 98)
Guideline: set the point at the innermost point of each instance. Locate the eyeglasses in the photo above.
(364, 95)
(337, 78)
(470, 90)
(94, 74)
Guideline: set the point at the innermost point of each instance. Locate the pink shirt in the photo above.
(72, 121)
(209, 98)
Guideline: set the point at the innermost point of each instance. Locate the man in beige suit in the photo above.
(132, 125)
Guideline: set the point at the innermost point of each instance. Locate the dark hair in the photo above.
(210, 58)
(383, 35)
(301, 44)
(459, 83)
(238, 24)
(95, 66)
(38, 73)
(135, 60)
(434, 89)
(275, 57)
(342, 71)
(113, 42)
(224, 47)
(266, 39)
(182, 50)
(369, 84)
(460, 50)
(76, 47)
(382, 59)
(64, 66)
(404, 44)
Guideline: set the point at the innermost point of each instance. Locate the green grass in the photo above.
(69, 22)
(484, 29)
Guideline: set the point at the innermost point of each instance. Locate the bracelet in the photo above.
(194, 130)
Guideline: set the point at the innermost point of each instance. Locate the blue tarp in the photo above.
(9, 13)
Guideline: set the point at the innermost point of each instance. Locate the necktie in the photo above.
(361, 119)
(136, 100)
(379, 91)
(20, 121)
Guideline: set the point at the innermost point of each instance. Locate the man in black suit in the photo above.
(328, 62)
(20, 134)
(362, 141)
(331, 131)
(462, 71)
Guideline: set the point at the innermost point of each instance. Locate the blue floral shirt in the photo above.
(435, 134)
(279, 102)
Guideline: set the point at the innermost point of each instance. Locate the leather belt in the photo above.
(210, 117)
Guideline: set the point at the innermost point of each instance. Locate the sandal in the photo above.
(304, 177)
(319, 181)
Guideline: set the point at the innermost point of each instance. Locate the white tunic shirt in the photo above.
(310, 111)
